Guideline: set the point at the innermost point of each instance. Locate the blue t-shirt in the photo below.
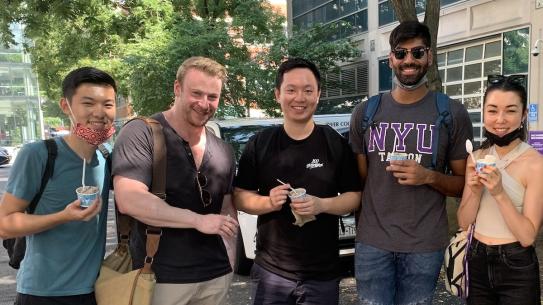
(64, 260)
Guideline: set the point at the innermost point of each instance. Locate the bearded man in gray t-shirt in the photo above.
(402, 228)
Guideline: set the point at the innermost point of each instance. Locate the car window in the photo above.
(238, 136)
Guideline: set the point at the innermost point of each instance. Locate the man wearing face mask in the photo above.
(402, 228)
(65, 242)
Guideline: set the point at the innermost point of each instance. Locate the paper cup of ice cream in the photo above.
(87, 195)
(489, 160)
(397, 156)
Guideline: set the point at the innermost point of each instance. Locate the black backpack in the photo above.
(16, 247)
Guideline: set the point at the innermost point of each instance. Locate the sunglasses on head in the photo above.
(205, 196)
(416, 52)
(495, 79)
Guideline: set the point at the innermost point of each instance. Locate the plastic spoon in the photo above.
(83, 176)
(469, 149)
(290, 187)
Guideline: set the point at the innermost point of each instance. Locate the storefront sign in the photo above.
(535, 138)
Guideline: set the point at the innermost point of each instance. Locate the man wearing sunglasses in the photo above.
(402, 228)
(191, 264)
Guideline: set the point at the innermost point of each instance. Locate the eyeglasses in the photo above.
(496, 79)
(416, 52)
(205, 196)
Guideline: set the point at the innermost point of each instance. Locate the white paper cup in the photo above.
(298, 193)
(481, 163)
(87, 195)
(396, 156)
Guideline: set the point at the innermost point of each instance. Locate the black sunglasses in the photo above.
(496, 79)
(205, 196)
(416, 52)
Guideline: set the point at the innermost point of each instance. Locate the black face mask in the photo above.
(505, 140)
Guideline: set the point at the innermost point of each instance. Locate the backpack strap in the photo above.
(158, 188)
(444, 118)
(107, 156)
(371, 108)
(47, 173)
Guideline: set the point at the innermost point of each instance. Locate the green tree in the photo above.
(142, 42)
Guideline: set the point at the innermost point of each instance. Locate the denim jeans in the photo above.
(503, 274)
(270, 288)
(396, 278)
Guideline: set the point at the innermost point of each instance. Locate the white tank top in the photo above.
(490, 221)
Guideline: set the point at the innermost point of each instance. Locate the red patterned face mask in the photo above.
(93, 136)
(89, 135)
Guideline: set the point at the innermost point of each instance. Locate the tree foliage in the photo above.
(406, 10)
(142, 43)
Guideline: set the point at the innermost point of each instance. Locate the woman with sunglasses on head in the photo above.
(504, 201)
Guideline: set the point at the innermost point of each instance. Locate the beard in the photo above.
(200, 118)
(410, 80)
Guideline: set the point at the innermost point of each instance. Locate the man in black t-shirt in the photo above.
(191, 263)
(297, 264)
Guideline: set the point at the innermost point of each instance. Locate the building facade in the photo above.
(476, 38)
(20, 115)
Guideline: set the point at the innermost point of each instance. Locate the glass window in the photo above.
(454, 74)
(516, 51)
(453, 90)
(318, 15)
(472, 71)
(493, 49)
(11, 57)
(441, 59)
(472, 88)
(474, 53)
(447, 2)
(331, 11)
(386, 13)
(385, 75)
(455, 57)
(420, 6)
(348, 6)
(473, 103)
(475, 117)
(361, 21)
(361, 3)
(492, 67)
(442, 75)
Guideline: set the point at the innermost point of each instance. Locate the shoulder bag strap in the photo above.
(158, 188)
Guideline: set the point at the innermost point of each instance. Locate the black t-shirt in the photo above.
(310, 251)
(184, 255)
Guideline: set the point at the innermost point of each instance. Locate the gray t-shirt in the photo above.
(405, 218)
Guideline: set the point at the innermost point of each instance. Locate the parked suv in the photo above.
(237, 132)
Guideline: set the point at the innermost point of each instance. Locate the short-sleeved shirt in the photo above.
(64, 260)
(406, 218)
(310, 251)
(184, 255)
